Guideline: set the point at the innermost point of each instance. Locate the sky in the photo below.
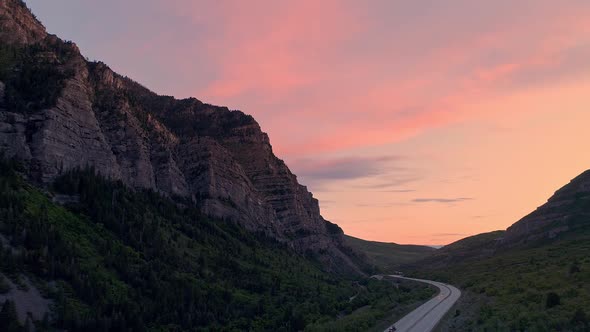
(412, 121)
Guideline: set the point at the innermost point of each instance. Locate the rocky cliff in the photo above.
(59, 112)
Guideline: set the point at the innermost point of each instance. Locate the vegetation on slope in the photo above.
(544, 288)
(34, 75)
(469, 249)
(388, 257)
(125, 260)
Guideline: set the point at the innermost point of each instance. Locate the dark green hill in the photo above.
(542, 288)
(388, 257)
(468, 249)
(115, 259)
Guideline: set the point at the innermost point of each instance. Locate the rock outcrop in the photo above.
(21, 27)
(93, 117)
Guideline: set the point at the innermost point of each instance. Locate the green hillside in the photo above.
(544, 288)
(388, 257)
(473, 248)
(120, 260)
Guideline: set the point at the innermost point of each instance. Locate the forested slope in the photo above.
(117, 259)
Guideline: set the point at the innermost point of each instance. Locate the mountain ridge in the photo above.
(561, 213)
(566, 213)
(388, 256)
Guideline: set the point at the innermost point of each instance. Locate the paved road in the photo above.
(426, 316)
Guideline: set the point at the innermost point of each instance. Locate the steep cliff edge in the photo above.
(59, 112)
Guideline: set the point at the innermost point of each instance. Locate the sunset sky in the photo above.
(411, 121)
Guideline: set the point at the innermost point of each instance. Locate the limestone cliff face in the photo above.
(21, 27)
(219, 158)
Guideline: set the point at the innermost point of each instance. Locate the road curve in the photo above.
(425, 317)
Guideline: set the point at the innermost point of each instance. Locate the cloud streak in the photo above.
(383, 174)
(442, 200)
(343, 167)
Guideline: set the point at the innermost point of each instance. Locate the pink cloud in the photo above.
(265, 48)
(301, 68)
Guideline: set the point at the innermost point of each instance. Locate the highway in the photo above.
(425, 317)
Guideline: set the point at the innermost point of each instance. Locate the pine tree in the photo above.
(8, 317)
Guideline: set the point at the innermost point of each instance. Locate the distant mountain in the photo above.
(388, 257)
(470, 248)
(535, 276)
(566, 213)
(59, 112)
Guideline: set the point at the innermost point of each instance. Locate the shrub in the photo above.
(574, 268)
(580, 318)
(8, 317)
(34, 80)
(4, 286)
(552, 300)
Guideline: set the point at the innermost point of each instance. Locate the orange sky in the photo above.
(411, 121)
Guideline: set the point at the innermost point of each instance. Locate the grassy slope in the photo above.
(479, 241)
(389, 256)
(510, 290)
(134, 260)
(472, 248)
